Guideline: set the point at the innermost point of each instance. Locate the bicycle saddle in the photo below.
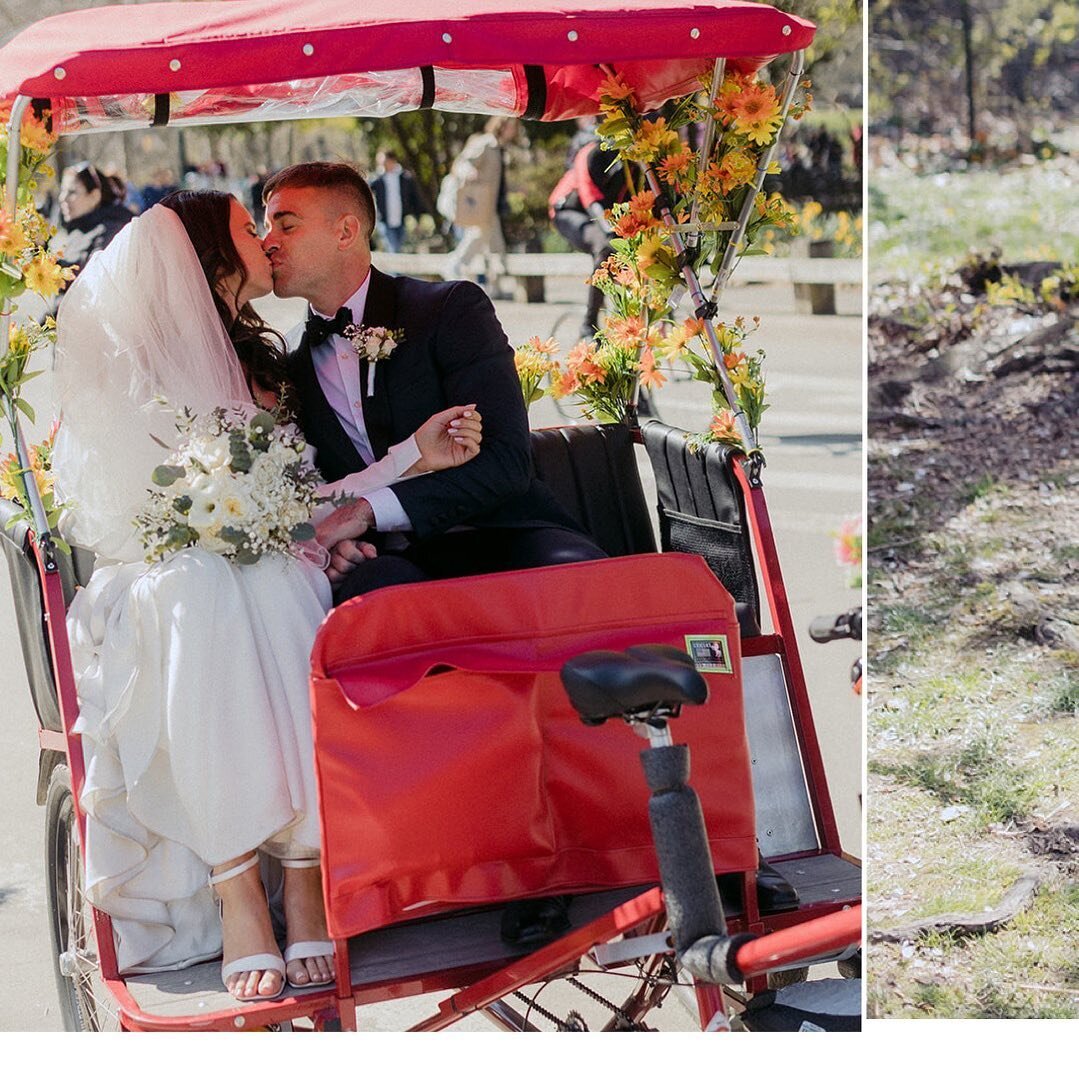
(606, 684)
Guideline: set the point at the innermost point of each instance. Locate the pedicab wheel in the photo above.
(85, 1003)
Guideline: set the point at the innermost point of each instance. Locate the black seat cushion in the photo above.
(592, 471)
(701, 511)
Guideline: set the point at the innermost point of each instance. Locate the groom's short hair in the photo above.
(330, 176)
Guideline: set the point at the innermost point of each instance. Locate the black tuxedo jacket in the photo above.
(453, 352)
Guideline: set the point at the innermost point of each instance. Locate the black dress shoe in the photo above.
(774, 891)
(531, 923)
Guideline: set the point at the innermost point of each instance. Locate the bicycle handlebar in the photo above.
(843, 627)
(728, 960)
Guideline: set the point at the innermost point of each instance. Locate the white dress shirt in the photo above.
(391, 179)
(338, 371)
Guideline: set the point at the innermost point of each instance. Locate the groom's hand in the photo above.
(347, 522)
(346, 556)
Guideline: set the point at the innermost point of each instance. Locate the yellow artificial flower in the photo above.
(46, 277)
(648, 251)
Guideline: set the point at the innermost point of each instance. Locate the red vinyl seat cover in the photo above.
(452, 769)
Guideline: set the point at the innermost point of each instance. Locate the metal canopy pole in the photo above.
(794, 74)
(718, 71)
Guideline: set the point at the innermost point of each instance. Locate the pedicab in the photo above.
(455, 773)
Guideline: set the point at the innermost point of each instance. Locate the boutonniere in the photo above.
(373, 343)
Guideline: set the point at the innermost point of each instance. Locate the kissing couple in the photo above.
(192, 671)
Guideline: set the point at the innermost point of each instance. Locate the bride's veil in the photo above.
(137, 325)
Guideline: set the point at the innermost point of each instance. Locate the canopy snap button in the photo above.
(572, 35)
(695, 33)
(309, 49)
(174, 65)
(448, 38)
(787, 31)
(59, 73)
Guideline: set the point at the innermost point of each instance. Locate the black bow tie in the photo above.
(321, 329)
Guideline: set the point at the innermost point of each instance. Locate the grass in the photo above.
(966, 712)
(1027, 972)
(921, 221)
(1066, 695)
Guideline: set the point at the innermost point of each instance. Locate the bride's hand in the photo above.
(449, 438)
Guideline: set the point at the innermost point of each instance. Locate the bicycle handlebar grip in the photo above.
(843, 627)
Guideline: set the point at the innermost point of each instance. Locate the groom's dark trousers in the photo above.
(488, 515)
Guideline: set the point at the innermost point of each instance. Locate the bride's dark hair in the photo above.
(206, 217)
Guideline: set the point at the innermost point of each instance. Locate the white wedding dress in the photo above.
(192, 673)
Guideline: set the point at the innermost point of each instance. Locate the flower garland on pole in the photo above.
(695, 211)
(25, 266)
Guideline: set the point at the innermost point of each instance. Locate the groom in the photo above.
(488, 515)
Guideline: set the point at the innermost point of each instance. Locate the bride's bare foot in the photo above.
(305, 919)
(246, 930)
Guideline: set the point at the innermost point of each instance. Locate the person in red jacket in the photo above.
(593, 183)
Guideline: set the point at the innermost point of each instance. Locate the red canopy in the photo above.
(322, 53)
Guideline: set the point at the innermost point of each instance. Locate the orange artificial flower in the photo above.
(723, 427)
(651, 377)
(756, 113)
(627, 226)
(625, 332)
(728, 95)
(616, 89)
(548, 347)
(36, 136)
(641, 205)
(563, 383)
(12, 236)
(675, 168)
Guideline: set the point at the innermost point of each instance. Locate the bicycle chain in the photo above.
(619, 1012)
(573, 1020)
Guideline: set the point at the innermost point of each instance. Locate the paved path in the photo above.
(813, 480)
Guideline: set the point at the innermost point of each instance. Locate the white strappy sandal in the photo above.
(307, 949)
(263, 961)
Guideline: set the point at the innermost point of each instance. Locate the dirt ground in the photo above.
(973, 547)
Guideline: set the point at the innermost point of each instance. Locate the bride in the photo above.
(192, 671)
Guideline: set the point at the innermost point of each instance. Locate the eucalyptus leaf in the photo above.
(167, 475)
(303, 531)
(245, 556)
(24, 408)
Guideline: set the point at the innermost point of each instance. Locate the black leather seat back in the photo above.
(30, 610)
(592, 471)
(701, 511)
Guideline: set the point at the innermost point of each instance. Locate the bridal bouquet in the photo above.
(237, 486)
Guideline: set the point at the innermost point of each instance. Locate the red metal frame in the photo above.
(785, 644)
(796, 935)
